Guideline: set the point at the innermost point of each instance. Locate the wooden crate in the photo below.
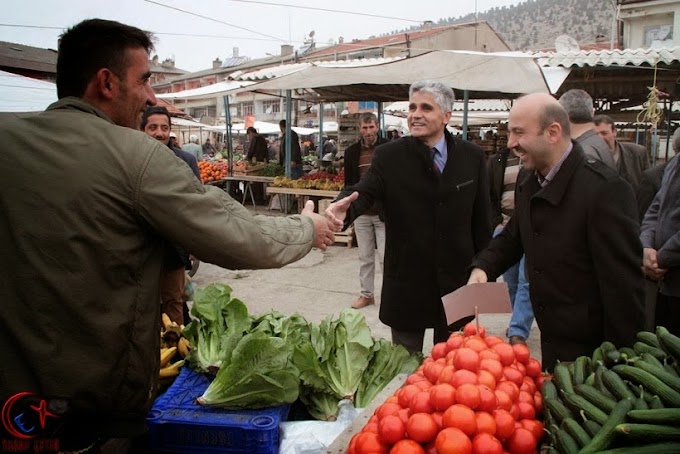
(346, 237)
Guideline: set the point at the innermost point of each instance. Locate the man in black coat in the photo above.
(575, 220)
(257, 149)
(436, 207)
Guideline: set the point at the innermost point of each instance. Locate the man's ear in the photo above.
(554, 132)
(106, 82)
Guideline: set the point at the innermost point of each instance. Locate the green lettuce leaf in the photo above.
(260, 374)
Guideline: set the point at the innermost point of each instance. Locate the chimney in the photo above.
(286, 49)
(154, 60)
(217, 63)
(427, 25)
(234, 52)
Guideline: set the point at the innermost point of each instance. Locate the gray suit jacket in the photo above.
(595, 147)
(633, 161)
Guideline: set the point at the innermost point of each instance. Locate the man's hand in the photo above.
(650, 266)
(478, 276)
(323, 228)
(337, 211)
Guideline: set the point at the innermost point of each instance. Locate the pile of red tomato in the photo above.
(475, 394)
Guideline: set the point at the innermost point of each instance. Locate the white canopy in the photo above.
(208, 91)
(24, 94)
(503, 72)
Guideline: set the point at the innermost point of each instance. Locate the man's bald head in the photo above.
(546, 110)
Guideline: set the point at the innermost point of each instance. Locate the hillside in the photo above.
(534, 24)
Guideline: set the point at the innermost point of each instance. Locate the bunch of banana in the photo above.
(173, 344)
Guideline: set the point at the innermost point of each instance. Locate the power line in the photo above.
(46, 27)
(215, 20)
(327, 10)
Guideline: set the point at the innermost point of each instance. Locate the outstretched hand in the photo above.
(337, 211)
(324, 235)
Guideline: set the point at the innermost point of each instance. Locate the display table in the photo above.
(321, 199)
(248, 180)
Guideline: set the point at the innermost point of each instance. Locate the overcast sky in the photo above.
(256, 27)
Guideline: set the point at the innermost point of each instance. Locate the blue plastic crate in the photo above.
(178, 425)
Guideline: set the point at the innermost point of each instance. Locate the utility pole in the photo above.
(615, 23)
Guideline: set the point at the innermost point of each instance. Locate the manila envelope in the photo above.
(489, 298)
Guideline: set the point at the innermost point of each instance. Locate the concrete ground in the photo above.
(322, 284)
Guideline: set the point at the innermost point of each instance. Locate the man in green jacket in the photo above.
(88, 203)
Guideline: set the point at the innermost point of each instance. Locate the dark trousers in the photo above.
(668, 313)
(413, 340)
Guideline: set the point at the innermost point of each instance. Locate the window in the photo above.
(368, 105)
(271, 107)
(659, 36)
(247, 109)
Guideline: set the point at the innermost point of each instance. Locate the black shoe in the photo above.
(517, 340)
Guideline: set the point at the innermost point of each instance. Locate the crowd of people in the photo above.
(101, 210)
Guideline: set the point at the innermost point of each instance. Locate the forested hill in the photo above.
(534, 24)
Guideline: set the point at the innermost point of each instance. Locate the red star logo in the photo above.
(43, 412)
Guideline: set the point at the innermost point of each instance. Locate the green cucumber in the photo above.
(639, 391)
(595, 397)
(646, 433)
(663, 416)
(598, 357)
(627, 353)
(651, 359)
(562, 378)
(591, 427)
(606, 347)
(581, 369)
(615, 385)
(655, 403)
(650, 382)
(641, 348)
(648, 338)
(656, 448)
(565, 443)
(671, 370)
(549, 390)
(558, 410)
(660, 373)
(605, 436)
(612, 357)
(669, 342)
(577, 404)
(590, 379)
(577, 432)
(640, 404)
(599, 385)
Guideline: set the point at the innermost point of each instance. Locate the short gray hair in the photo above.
(579, 106)
(442, 94)
(368, 117)
(676, 141)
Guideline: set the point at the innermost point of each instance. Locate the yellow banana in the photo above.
(183, 347)
(172, 370)
(166, 320)
(167, 354)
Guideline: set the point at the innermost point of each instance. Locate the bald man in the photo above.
(576, 221)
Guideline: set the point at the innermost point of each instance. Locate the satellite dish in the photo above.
(565, 43)
(311, 34)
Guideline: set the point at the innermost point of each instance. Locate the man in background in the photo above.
(579, 107)
(257, 149)
(296, 152)
(208, 148)
(660, 236)
(434, 191)
(156, 123)
(193, 147)
(369, 228)
(630, 159)
(575, 221)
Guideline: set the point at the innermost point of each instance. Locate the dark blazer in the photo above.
(434, 224)
(258, 148)
(633, 161)
(650, 183)
(295, 151)
(583, 257)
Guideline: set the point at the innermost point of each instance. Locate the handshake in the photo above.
(330, 222)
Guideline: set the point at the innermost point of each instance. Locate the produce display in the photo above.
(272, 169)
(212, 171)
(617, 401)
(321, 180)
(474, 394)
(173, 346)
(274, 359)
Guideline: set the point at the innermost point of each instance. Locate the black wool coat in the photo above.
(580, 235)
(434, 224)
